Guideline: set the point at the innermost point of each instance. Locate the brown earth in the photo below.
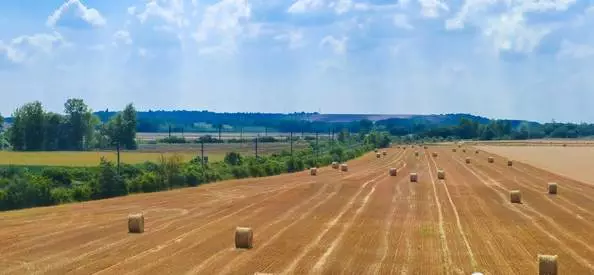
(357, 222)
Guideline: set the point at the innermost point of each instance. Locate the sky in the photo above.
(522, 59)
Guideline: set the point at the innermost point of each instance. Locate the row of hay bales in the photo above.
(547, 265)
(515, 196)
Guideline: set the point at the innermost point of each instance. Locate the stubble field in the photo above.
(358, 222)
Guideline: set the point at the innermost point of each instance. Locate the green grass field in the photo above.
(86, 158)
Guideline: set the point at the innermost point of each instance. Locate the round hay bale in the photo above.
(136, 223)
(476, 152)
(463, 150)
(434, 154)
(553, 188)
(344, 167)
(477, 273)
(244, 237)
(385, 153)
(468, 160)
(376, 150)
(490, 159)
(547, 265)
(454, 150)
(416, 153)
(414, 177)
(378, 155)
(313, 171)
(510, 163)
(515, 196)
(441, 174)
(425, 147)
(564, 145)
(393, 172)
(335, 165)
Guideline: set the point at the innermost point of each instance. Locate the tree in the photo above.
(233, 158)
(1, 123)
(108, 183)
(467, 129)
(129, 123)
(78, 117)
(27, 131)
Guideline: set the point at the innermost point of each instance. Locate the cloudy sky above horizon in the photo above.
(524, 59)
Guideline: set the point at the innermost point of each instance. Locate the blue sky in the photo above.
(524, 59)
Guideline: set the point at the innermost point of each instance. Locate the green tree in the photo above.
(129, 123)
(108, 183)
(78, 117)
(467, 129)
(1, 123)
(233, 158)
(27, 131)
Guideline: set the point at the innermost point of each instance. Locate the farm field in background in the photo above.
(224, 135)
(363, 221)
(570, 161)
(215, 152)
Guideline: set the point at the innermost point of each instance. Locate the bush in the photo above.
(61, 195)
(295, 165)
(82, 192)
(268, 139)
(233, 158)
(172, 140)
(240, 172)
(193, 176)
(59, 176)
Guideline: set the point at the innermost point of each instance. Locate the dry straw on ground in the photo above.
(313, 171)
(547, 265)
(491, 159)
(244, 237)
(552, 188)
(344, 167)
(515, 196)
(136, 223)
(414, 177)
(393, 172)
(335, 165)
(441, 174)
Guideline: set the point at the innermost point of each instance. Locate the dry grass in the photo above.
(244, 237)
(515, 196)
(547, 265)
(414, 177)
(553, 188)
(136, 223)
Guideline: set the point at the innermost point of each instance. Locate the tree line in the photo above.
(22, 187)
(35, 129)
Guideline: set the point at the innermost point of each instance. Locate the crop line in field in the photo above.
(330, 224)
(563, 246)
(205, 262)
(444, 244)
(184, 235)
(458, 223)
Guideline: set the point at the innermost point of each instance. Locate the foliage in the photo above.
(233, 158)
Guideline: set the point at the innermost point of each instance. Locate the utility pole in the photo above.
(256, 145)
(169, 130)
(291, 140)
(220, 128)
(202, 154)
(118, 149)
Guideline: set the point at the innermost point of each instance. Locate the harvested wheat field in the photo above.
(358, 222)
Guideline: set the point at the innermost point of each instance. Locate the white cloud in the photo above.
(170, 11)
(122, 37)
(573, 50)
(338, 45)
(401, 21)
(89, 15)
(22, 48)
(223, 22)
(131, 10)
(432, 8)
(510, 33)
(301, 6)
(294, 38)
(142, 52)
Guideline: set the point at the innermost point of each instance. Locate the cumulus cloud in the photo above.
(338, 45)
(23, 48)
(222, 22)
(294, 38)
(122, 37)
(172, 12)
(433, 8)
(77, 9)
